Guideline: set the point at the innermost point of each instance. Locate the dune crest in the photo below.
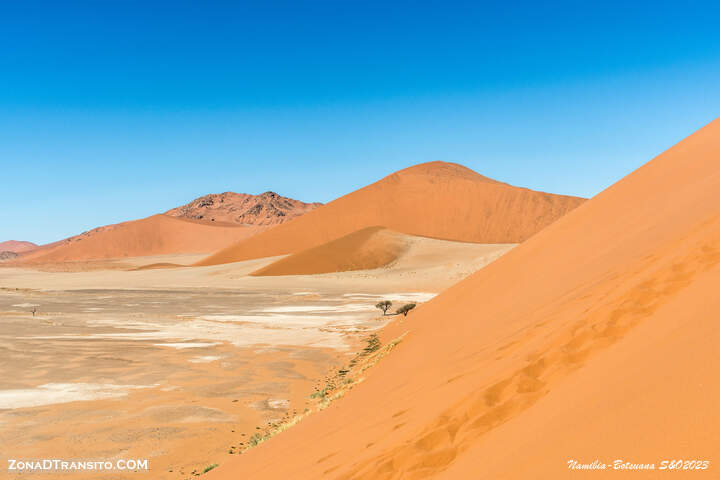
(437, 200)
(371, 247)
(155, 235)
(204, 225)
(594, 339)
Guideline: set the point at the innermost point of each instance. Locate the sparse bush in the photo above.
(384, 306)
(320, 393)
(255, 440)
(210, 467)
(405, 309)
(373, 343)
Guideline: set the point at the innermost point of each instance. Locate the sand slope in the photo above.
(595, 339)
(371, 247)
(437, 199)
(16, 246)
(155, 235)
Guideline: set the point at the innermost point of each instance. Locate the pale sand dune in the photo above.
(595, 339)
(436, 200)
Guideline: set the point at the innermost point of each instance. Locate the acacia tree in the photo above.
(405, 309)
(384, 306)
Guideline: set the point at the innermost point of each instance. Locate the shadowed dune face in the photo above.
(436, 200)
(156, 266)
(156, 235)
(366, 249)
(595, 339)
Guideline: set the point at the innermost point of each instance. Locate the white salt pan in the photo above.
(204, 359)
(186, 345)
(52, 393)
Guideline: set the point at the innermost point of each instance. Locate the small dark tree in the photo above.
(405, 309)
(384, 306)
(34, 311)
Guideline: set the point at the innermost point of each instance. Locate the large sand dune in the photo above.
(595, 339)
(155, 235)
(437, 200)
(366, 249)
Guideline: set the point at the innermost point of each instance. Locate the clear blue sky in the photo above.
(114, 112)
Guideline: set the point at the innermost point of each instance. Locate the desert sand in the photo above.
(184, 365)
(593, 340)
(366, 249)
(155, 235)
(204, 225)
(437, 200)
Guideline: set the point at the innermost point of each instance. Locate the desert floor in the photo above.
(182, 365)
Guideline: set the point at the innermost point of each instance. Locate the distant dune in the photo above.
(16, 246)
(596, 339)
(371, 247)
(205, 225)
(437, 200)
(156, 235)
(268, 208)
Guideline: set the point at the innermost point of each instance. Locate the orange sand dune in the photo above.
(371, 247)
(155, 235)
(437, 200)
(595, 339)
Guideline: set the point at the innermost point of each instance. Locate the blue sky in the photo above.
(114, 112)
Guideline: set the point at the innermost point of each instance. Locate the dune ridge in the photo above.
(594, 339)
(437, 200)
(204, 225)
(368, 248)
(155, 235)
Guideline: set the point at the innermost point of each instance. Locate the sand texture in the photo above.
(594, 339)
